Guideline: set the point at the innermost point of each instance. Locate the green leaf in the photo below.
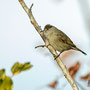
(6, 84)
(2, 74)
(26, 66)
(18, 67)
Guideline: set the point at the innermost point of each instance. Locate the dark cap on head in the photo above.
(48, 26)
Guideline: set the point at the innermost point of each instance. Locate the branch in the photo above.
(50, 48)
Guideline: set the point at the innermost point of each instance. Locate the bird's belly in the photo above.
(59, 46)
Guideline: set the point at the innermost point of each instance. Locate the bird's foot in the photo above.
(57, 56)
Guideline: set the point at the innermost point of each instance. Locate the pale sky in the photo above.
(18, 39)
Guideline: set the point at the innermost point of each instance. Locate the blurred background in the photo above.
(18, 39)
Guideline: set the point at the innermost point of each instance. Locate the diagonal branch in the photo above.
(50, 48)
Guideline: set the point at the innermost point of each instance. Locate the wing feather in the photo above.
(64, 38)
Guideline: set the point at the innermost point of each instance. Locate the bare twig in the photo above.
(50, 48)
(40, 46)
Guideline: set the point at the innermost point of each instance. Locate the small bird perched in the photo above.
(59, 40)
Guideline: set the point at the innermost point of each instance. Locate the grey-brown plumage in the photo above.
(59, 40)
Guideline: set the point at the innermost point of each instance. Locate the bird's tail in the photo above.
(79, 50)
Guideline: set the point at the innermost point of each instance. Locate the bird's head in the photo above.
(47, 27)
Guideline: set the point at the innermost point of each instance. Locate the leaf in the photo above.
(53, 85)
(26, 66)
(18, 67)
(86, 77)
(73, 70)
(6, 84)
(2, 74)
(66, 54)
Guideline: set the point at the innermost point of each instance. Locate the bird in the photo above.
(59, 40)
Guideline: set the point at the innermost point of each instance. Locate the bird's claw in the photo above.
(57, 56)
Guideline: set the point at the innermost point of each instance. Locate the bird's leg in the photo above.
(42, 46)
(57, 56)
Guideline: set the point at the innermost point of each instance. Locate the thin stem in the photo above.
(40, 46)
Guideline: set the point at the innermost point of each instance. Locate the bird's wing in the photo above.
(64, 38)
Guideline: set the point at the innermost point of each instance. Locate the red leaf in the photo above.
(66, 54)
(86, 77)
(73, 70)
(53, 85)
